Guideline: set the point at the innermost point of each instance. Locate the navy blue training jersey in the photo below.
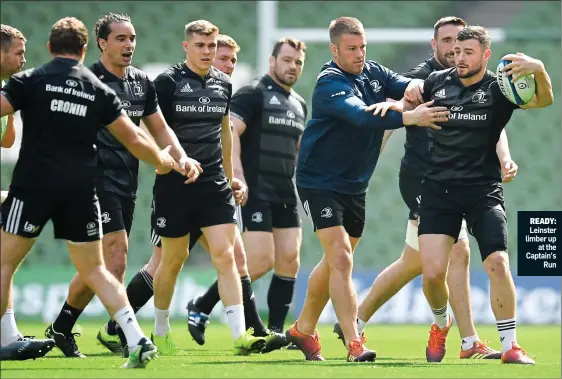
(341, 143)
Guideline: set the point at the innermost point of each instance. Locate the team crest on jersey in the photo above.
(257, 217)
(376, 86)
(137, 90)
(479, 97)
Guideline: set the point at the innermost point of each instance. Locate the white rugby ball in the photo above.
(520, 92)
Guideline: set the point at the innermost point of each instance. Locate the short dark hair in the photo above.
(449, 20)
(7, 35)
(227, 41)
(293, 42)
(475, 32)
(201, 27)
(345, 25)
(68, 36)
(102, 29)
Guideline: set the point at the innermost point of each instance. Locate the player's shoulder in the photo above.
(298, 97)
(87, 75)
(219, 75)
(330, 71)
(29, 73)
(171, 73)
(490, 82)
(372, 66)
(137, 74)
(256, 88)
(442, 76)
(423, 70)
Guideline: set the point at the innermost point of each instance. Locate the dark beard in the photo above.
(470, 73)
(281, 80)
(443, 61)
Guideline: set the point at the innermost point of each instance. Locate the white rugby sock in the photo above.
(440, 317)
(126, 319)
(506, 328)
(161, 322)
(9, 329)
(468, 342)
(235, 314)
(361, 326)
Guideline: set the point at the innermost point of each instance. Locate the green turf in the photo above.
(400, 349)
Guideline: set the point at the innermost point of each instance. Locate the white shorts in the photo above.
(412, 238)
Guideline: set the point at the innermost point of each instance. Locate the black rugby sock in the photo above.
(66, 319)
(279, 299)
(251, 313)
(207, 302)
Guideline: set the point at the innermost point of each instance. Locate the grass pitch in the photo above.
(400, 350)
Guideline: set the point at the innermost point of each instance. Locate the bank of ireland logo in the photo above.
(71, 83)
(125, 104)
(456, 108)
(91, 225)
(290, 114)
(204, 100)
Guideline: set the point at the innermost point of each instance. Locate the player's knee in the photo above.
(116, 257)
(342, 261)
(288, 262)
(497, 264)
(223, 259)
(93, 275)
(435, 274)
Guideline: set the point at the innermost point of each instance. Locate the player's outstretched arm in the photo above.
(424, 115)
(522, 64)
(139, 143)
(335, 98)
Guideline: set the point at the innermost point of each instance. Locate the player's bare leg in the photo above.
(88, 259)
(502, 299)
(14, 250)
(174, 254)
(154, 261)
(200, 308)
(260, 253)
(333, 279)
(221, 240)
(434, 255)
(115, 247)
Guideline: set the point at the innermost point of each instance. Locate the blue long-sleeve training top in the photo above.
(341, 143)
